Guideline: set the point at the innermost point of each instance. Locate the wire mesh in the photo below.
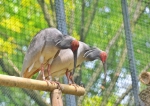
(61, 25)
(97, 23)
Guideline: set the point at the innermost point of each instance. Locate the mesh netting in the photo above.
(97, 23)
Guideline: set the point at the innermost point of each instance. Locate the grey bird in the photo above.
(44, 47)
(63, 63)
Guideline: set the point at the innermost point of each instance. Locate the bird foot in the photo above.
(53, 83)
(47, 81)
(58, 84)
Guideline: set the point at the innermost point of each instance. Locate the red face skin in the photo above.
(103, 56)
(74, 45)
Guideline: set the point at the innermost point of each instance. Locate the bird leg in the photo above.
(50, 78)
(48, 71)
(69, 76)
(42, 70)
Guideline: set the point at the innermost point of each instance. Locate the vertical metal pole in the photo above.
(61, 25)
(130, 52)
(60, 16)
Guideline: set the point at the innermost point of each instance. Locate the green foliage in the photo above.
(7, 46)
(96, 101)
(22, 19)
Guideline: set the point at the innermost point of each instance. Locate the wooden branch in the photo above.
(5, 93)
(71, 20)
(46, 13)
(12, 81)
(111, 43)
(145, 77)
(110, 88)
(52, 5)
(130, 99)
(82, 22)
(7, 36)
(118, 101)
(34, 95)
(122, 96)
(90, 20)
(56, 98)
(114, 79)
(127, 91)
(145, 96)
(98, 70)
(139, 10)
(147, 67)
(12, 64)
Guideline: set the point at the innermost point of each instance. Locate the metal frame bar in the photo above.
(132, 65)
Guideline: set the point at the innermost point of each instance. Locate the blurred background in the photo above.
(96, 22)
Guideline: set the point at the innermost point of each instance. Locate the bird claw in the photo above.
(53, 83)
(48, 82)
(58, 85)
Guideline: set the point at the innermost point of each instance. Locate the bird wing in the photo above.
(33, 53)
(63, 61)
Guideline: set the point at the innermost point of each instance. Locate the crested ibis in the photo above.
(44, 47)
(63, 63)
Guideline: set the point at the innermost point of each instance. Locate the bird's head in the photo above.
(103, 56)
(74, 45)
(95, 53)
(74, 48)
(68, 42)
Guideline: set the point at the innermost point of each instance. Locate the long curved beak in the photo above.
(105, 68)
(75, 60)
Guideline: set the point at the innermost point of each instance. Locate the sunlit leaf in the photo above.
(13, 24)
(7, 46)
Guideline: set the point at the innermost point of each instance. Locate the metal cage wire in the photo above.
(96, 23)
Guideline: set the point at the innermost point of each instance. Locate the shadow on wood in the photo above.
(12, 81)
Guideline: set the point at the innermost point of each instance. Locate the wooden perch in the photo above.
(12, 81)
(56, 99)
(145, 96)
(145, 77)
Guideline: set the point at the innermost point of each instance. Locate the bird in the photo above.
(63, 63)
(44, 47)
